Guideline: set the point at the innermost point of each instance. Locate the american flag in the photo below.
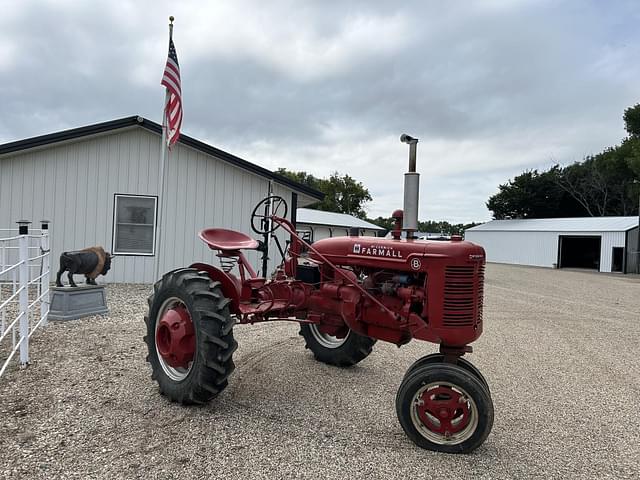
(173, 108)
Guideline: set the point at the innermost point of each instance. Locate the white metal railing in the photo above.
(24, 289)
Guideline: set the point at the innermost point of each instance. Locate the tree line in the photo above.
(430, 226)
(605, 184)
(342, 193)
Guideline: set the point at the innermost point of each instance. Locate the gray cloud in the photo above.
(490, 88)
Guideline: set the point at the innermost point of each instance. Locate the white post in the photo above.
(23, 245)
(14, 276)
(46, 266)
(3, 257)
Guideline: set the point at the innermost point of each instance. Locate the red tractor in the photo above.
(346, 293)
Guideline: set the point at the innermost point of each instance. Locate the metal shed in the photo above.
(318, 224)
(100, 185)
(606, 244)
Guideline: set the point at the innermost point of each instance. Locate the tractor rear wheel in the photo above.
(189, 337)
(439, 358)
(444, 408)
(341, 352)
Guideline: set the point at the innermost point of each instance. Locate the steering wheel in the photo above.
(261, 221)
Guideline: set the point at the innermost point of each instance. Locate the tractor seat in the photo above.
(222, 239)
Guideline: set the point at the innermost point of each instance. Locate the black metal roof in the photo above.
(103, 127)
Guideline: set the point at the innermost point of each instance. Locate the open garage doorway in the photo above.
(579, 252)
(617, 260)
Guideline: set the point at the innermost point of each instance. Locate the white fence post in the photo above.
(23, 244)
(21, 300)
(44, 281)
(3, 261)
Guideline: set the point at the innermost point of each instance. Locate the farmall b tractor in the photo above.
(346, 293)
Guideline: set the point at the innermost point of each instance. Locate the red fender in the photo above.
(229, 283)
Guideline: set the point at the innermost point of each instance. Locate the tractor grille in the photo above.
(463, 290)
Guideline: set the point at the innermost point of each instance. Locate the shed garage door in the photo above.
(579, 252)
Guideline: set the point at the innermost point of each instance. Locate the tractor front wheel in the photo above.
(445, 408)
(439, 358)
(189, 337)
(341, 352)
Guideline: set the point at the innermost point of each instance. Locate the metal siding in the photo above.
(521, 248)
(170, 206)
(538, 248)
(73, 185)
(81, 224)
(26, 188)
(201, 191)
(6, 214)
(101, 202)
(109, 157)
(212, 193)
(69, 205)
(319, 233)
(632, 252)
(91, 194)
(173, 218)
(609, 240)
(123, 271)
(191, 208)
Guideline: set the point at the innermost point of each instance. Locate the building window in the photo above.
(134, 225)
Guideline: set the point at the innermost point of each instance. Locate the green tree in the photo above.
(343, 194)
(600, 185)
(444, 227)
(534, 194)
(632, 120)
(430, 226)
(631, 145)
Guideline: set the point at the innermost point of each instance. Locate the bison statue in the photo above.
(91, 262)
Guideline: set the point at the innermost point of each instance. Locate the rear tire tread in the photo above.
(212, 363)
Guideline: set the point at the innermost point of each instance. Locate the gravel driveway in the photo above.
(560, 351)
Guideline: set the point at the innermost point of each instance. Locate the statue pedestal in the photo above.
(69, 303)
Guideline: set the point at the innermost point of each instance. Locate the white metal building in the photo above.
(318, 224)
(606, 244)
(99, 185)
(425, 235)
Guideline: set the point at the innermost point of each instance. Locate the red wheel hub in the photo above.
(175, 339)
(443, 410)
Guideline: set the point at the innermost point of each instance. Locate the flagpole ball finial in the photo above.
(171, 19)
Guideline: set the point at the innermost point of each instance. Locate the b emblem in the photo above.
(416, 264)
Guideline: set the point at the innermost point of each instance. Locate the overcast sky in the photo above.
(490, 88)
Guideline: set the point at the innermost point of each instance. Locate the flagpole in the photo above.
(164, 154)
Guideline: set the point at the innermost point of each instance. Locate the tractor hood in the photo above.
(409, 255)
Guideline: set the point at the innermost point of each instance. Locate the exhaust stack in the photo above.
(411, 188)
